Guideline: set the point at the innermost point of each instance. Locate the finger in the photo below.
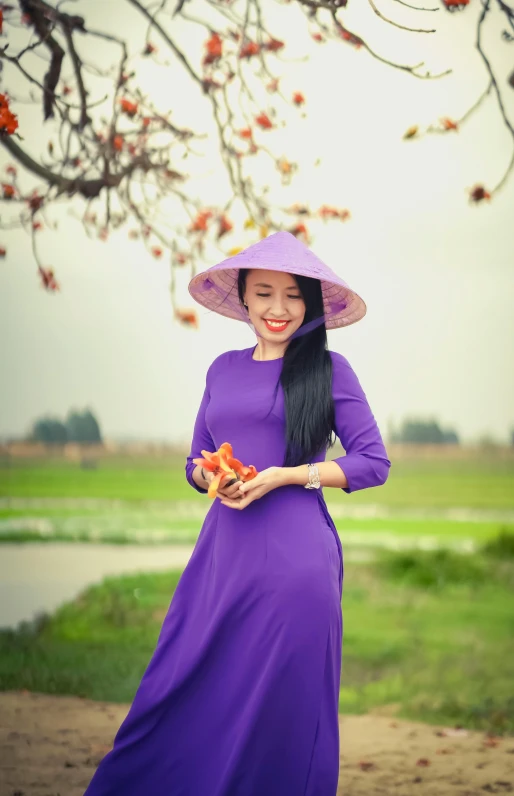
(230, 492)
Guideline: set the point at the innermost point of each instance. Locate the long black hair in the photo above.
(306, 379)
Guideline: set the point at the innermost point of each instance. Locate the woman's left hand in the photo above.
(264, 482)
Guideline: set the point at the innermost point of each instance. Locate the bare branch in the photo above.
(396, 24)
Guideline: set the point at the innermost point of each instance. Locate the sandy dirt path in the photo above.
(51, 745)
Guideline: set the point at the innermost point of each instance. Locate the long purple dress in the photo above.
(240, 697)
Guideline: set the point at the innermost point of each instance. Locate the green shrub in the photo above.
(432, 568)
(502, 546)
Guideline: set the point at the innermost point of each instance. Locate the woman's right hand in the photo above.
(230, 490)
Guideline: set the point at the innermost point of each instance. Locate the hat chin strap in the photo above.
(307, 327)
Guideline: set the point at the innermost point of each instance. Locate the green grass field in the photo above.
(433, 500)
(429, 634)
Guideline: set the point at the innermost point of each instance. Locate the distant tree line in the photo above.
(81, 427)
(424, 432)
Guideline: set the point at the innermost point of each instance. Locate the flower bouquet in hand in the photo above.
(227, 470)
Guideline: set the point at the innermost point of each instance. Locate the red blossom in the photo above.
(449, 124)
(66, 90)
(300, 230)
(273, 45)
(150, 48)
(224, 226)
(214, 48)
(146, 121)
(478, 194)
(326, 211)
(180, 258)
(117, 142)
(128, 107)
(298, 98)
(8, 120)
(187, 317)
(37, 225)
(246, 132)
(48, 279)
(200, 222)
(249, 49)
(350, 37)
(156, 251)
(10, 169)
(272, 85)
(453, 5)
(318, 37)
(264, 121)
(8, 190)
(3, 251)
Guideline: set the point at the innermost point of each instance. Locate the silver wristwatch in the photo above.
(314, 482)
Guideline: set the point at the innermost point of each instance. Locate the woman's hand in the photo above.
(229, 490)
(248, 491)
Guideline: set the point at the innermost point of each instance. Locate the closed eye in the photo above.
(266, 295)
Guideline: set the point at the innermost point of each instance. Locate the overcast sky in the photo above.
(436, 272)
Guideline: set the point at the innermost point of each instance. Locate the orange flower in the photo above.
(214, 47)
(273, 45)
(8, 120)
(246, 132)
(318, 37)
(149, 49)
(300, 230)
(298, 98)
(249, 49)
(156, 251)
(3, 251)
(8, 190)
(117, 143)
(449, 124)
(225, 467)
(128, 107)
(264, 121)
(224, 226)
(10, 169)
(187, 317)
(326, 211)
(200, 222)
(48, 279)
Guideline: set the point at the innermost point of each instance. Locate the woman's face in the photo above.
(275, 304)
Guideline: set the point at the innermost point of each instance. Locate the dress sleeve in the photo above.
(202, 439)
(365, 463)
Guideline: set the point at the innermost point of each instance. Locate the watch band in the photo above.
(313, 482)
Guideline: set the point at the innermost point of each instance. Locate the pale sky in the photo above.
(435, 272)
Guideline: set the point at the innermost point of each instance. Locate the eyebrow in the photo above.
(264, 284)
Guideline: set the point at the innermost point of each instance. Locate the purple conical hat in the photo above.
(216, 288)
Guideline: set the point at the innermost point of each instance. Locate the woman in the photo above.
(241, 695)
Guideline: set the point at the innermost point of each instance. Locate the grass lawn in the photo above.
(428, 633)
(432, 483)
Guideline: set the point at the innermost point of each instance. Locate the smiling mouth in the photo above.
(276, 326)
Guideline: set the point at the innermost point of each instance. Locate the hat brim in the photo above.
(216, 289)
